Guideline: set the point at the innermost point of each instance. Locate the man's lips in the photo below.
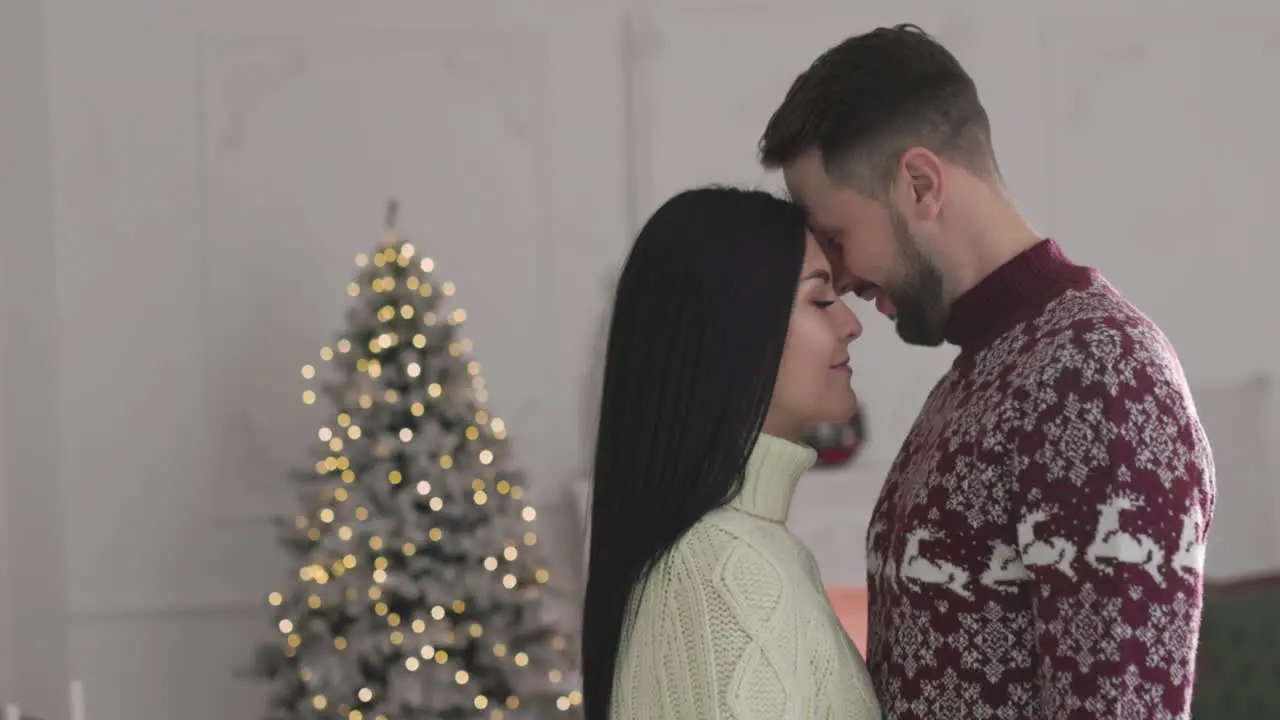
(885, 305)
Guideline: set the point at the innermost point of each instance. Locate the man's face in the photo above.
(874, 245)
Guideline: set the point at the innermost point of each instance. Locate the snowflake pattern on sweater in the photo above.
(1037, 549)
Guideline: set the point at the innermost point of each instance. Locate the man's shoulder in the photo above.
(1095, 307)
(1095, 335)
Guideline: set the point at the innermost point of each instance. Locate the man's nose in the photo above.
(845, 282)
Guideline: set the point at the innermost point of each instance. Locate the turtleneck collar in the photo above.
(1013, 293)
(773, 469)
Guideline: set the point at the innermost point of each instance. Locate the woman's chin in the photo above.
(840, 417)
(848, 408)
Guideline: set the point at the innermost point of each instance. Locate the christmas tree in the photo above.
(418, 590)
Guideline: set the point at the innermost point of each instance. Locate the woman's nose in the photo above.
(851, 327)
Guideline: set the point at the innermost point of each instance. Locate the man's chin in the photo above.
(918, 333)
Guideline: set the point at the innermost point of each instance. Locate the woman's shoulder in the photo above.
(730, 552)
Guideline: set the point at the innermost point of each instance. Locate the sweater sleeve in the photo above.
(1114, 494)
(733, 639)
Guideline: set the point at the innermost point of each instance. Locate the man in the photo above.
(1036, 551)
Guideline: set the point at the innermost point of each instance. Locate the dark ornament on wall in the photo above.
(839, 443)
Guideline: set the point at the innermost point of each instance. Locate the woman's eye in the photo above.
(823, 304)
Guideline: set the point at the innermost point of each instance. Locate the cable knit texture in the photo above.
(734, 621)
(1038, 546)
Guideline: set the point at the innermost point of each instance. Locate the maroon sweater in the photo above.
(1036, 551)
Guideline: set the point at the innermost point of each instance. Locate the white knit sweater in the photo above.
(734, 621)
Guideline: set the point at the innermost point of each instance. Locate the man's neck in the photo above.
(995, 234)
(1011, 293)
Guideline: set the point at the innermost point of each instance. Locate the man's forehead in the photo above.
(818, 225)
(807, 194)
(790, 194)
(795, 182)
(815, 226)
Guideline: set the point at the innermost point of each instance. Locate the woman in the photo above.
(727, 343)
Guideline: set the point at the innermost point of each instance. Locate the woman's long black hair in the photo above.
(699, 321)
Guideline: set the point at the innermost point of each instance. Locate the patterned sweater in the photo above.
(1037, 549)
(734, 621)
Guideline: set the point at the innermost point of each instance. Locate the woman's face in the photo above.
(813, 386)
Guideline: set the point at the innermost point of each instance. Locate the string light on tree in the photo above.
(416, 594)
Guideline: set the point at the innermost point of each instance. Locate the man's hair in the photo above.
(867, 100)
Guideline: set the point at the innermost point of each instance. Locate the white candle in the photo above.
(11, 712)
(77, 700)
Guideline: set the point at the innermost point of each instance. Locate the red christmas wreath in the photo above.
(839, 443)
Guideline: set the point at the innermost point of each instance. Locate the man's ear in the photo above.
(921, 170)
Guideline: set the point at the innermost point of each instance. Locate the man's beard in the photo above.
(917, 296)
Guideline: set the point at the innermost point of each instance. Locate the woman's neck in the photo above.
(773, 470)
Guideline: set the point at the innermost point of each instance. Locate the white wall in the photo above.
(216, 165)
(33, 599)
